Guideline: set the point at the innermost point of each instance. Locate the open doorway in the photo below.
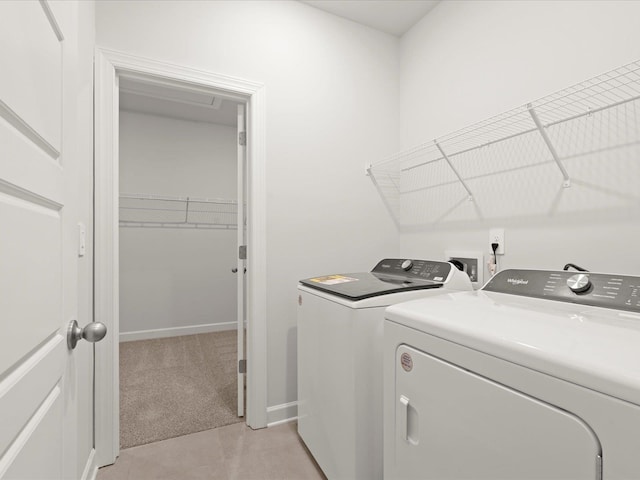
(178, 222)
(112, 68)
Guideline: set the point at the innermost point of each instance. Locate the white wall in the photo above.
(467, 61)
(332, 90)
(174, 278)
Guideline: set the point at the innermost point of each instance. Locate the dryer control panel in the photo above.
(621, 292)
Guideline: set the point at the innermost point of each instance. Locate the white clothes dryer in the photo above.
(340, 322)
(536, 376)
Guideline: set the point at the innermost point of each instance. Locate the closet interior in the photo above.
(177, 249)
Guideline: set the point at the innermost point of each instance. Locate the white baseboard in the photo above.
(176, 331)
(284, 413)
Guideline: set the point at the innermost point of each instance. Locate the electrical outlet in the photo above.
(496, 235)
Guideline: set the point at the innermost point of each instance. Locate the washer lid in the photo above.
(358, 286)
(391, 275)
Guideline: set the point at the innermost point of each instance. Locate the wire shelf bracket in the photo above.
(456, 173)
(547, 141)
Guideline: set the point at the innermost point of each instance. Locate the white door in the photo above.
(43, 385)
(241, 255)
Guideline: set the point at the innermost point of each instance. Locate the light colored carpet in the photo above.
(175, 386)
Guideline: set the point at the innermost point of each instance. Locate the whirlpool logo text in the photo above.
(517, 281)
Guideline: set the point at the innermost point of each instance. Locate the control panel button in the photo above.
(407, 265)
(579, 283)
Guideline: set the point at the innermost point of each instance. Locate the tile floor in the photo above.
(230, 452)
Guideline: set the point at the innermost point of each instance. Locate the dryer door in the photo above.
(453, 424)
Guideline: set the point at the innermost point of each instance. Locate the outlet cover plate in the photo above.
(496, 235)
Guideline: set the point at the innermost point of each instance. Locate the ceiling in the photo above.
(198, 105)
(391, 16)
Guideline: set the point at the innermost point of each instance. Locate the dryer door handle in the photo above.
(408, 421)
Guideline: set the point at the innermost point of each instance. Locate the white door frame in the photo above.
(109, 66)
(241, 239)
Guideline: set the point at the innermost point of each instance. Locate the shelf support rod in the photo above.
(186, 212)
(552, 149)
(444, 155)
(385, 200)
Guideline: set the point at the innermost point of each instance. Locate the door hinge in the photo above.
(242, 252)
(242, 138)
(242, 366)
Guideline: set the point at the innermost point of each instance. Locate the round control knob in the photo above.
(407, 265)
(579, 283)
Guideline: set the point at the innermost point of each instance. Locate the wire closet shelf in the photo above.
(522, 161)
(162, 211)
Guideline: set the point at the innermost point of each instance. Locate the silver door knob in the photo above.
(94, 332)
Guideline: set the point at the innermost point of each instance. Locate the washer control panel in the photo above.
(621, 292)
(414, 269)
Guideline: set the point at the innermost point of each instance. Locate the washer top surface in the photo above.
(594, 346)
(387, 277)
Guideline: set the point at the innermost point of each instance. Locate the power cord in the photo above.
(574, 266)
(493, 260)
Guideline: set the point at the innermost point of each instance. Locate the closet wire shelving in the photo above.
(522, 162)
(163, 211)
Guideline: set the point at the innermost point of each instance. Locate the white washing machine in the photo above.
(340, 323)
(536, 376)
